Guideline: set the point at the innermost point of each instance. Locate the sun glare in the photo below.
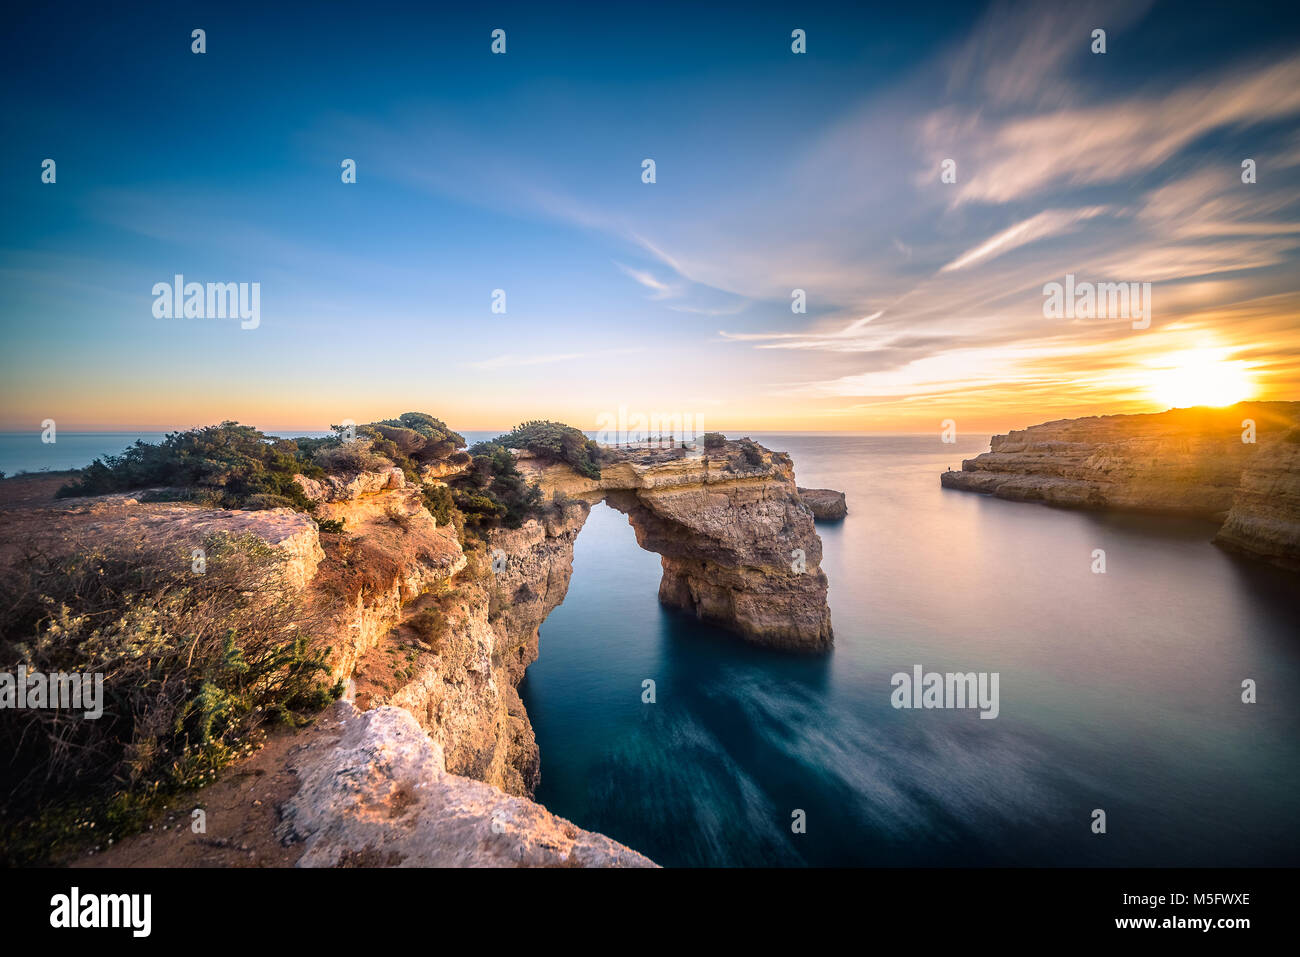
(1200, 377)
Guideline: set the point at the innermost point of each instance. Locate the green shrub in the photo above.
(430, 625)
(551, 440)
(439, 501)
(478, 508)
(494, 491)
(414, 439)
(193, 666)
(230, 463)
(714, 440)
(751, 453)
(356, 456)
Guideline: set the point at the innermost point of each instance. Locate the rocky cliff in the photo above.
(461, 686)
(449, 645)
(431, 757)
(737, 545)
(1237, 466)
(379, 795)
(1264, 521)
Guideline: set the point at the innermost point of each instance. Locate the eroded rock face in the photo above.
(1187, 461)
(380, 796)
(741, 555)
(827, 504)
(464, 691)
(1264, 521)
(737, 546)
(350, 486)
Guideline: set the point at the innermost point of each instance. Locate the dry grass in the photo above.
(194, 665)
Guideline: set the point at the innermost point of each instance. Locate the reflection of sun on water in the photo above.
(1200, 377)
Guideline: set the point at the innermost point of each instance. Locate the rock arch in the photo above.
(737, 546)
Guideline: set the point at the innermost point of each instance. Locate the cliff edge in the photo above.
(431, 759)
(1238, 466)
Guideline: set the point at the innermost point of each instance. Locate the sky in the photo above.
(774, 171)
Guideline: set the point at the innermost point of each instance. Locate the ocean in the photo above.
(25, 452)
(1118, 692)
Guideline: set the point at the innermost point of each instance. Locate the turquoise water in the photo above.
(1118, 691)
(25, 452)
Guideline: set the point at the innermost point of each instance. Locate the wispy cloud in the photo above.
(510, 360)
(1047, 223)
(830, 341)
(1004, 158)
(661, 290)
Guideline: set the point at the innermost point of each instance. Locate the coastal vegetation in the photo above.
(414, 440)
(227, 465)
(236, 466)
(493, 491)
(194, 666)
(552, 441)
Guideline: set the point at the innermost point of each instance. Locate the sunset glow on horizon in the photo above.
(1201, 377)
(818, 273)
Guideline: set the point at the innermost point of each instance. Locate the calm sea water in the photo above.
(25, 452)
(1118, 691)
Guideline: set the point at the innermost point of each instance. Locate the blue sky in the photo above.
(522, 172)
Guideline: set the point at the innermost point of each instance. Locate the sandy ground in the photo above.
(37, 488)
(242, 814)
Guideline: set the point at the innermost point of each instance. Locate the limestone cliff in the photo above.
(737, 545)
(380, 795)
(1264, 520)
(1190, 462)
(463, 689)
(433, 637)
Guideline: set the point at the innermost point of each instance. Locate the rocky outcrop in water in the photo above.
(827, 505)
(1190, 462)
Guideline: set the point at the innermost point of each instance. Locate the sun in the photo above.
(1200, 377)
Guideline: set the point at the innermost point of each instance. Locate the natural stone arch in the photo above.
(737, 545)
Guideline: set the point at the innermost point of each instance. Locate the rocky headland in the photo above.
(1238, 467)
(430, 758)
